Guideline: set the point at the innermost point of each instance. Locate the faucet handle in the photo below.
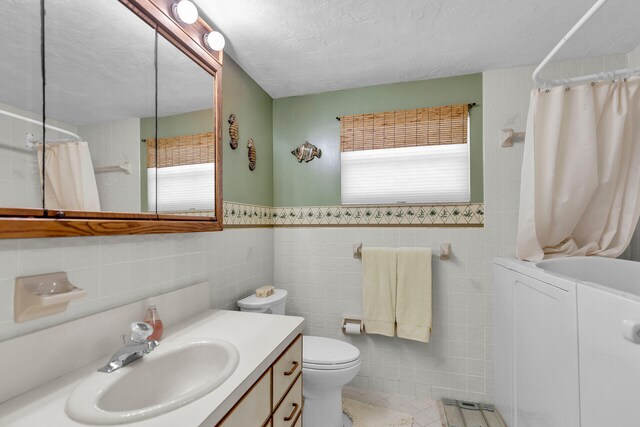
(140, 331)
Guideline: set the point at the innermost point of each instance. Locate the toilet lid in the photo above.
(252, 302)
(327, 351)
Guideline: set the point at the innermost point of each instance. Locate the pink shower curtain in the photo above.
(580, 186)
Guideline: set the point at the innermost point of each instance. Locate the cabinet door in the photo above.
(291, 406)
(609, 358)
(254, 408)
(545, 354)
(286, 369)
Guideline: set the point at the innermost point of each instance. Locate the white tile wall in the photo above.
(317, 267)
(113, 143)
(121, 269)
(316, 264)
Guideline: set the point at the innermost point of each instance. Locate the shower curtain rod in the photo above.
(599, 76)
(31, 141)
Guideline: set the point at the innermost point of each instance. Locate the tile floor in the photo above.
(424, 411)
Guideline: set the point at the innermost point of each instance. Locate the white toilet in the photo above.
(327, 366)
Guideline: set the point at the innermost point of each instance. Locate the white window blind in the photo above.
(182, 188)
(424, 174)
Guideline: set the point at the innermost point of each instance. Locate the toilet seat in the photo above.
(329, 367)
(328, 354)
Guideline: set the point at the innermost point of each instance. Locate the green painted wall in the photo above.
(253, 108)
(313, 118)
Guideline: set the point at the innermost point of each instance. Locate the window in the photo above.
(412, 156)
(185, 174)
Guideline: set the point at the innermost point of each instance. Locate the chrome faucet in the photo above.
(136, 348)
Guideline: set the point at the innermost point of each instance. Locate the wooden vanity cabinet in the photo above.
(254, 409)
(290, 408)
(275, 400)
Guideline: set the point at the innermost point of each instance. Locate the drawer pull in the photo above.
(294, 366)
(293, 412)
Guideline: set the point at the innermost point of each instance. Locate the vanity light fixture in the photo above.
(185, 11)
(214, 40)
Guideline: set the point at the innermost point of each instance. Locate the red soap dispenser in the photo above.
(153, 319)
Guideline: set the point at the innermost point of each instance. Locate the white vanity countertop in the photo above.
(259, 339)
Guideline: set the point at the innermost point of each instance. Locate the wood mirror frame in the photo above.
(28, 223)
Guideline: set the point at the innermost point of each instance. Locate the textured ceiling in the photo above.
(296, 47)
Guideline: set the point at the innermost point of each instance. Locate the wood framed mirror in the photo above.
(124, 137)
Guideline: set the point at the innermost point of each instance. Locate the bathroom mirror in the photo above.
(180, 163)
(100, 71)
(121, 76)
(20, 104)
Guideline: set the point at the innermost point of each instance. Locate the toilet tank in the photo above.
(273, 304)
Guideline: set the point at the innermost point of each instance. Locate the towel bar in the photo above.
(445, 251)
(508, 137)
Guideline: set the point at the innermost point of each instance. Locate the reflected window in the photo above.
(183, 188)
(183, 168)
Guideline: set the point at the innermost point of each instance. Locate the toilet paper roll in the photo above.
(352, 329)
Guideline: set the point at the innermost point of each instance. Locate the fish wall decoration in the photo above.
(307, 152)
(251, 147)
(234, 131)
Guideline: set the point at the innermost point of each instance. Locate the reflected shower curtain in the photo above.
(70, 181)
(580, 186)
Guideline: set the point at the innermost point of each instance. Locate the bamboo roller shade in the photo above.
(182, 150)
(407, 128)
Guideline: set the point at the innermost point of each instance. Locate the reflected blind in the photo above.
(407, 128)
(181, 150)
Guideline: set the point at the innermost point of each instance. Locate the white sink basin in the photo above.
(173, 375)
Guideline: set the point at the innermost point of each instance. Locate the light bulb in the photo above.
(214, 40)
(185, 12)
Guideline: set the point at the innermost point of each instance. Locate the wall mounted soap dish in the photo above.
(43, 295)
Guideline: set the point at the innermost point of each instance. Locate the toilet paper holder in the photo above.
(352, 321)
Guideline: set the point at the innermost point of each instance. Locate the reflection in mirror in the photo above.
(185, 155)
(20, 103)
(99, 59)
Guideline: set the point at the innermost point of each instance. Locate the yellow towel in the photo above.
(379, 290)
(413, 304)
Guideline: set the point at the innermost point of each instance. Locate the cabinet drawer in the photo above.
(254, 408)
(286, 369)
(290, 407)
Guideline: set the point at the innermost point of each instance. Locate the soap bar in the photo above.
(265, 291)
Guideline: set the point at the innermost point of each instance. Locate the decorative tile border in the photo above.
(244, 215)
(434, 215)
